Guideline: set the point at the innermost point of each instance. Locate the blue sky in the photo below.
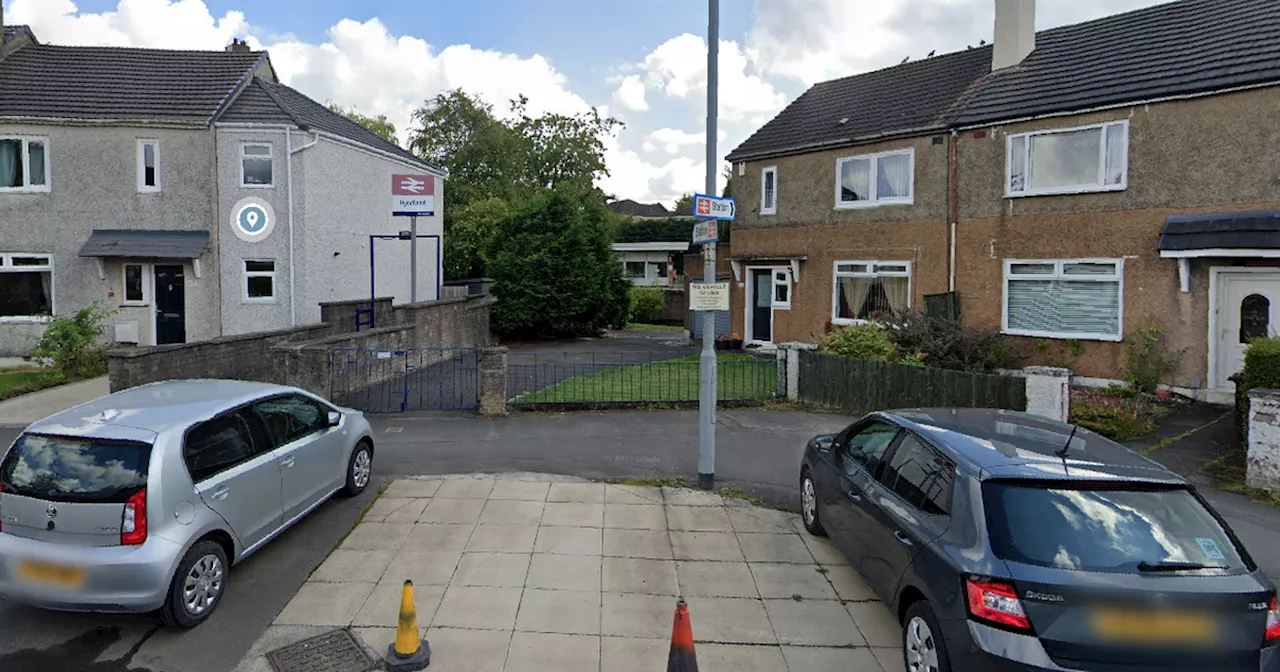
(643, 62)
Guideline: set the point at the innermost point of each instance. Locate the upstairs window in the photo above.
(1069, 161)
(24, 164)
(876, 179)
(148, 166)
(866, 291)
(769, 191)
(255, 165)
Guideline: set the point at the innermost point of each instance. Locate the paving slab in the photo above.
(706, 546)
(698, 519)
(631, 615)
(455, 511)
(790, 581)
(499, 570)
(564, 572)
(875, 623)
(813, 623)
(738, 658)
(849, 584)
(353, 566)
(385, 505)
(478, 607)
(382, 607)
(577, 492)
(502, 512)
(690, 497)
(823, 550)
(569, 612)
(804, 658)
(569, 540)
(573, 514)
(635, 516)
(639, 575)
(423, 568)
(536, 652)
(531, 491)
(774, 548)
(890, 659)
(454, 650)
(377, 537)
(716, 579)
(503, 538)
(413, 488)
(638, 544)
(465, 488)
(632, 494)
(332, 604)
(437, 538)
(629, 654)
(756, 519)
(731, 620)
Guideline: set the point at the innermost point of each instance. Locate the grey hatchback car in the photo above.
(142, 500)
(1006, 541)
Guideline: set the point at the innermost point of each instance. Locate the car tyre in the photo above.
(809, 505)
(359, 469)
(197, 586)
(923, 648)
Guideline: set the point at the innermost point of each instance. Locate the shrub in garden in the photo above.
(1148, 359)
(865, 341)
(1262, 364)
(947, 344)
(1116, 416)
(72, 344)
(646, 304)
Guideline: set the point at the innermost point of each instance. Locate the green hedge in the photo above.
(1262, 364)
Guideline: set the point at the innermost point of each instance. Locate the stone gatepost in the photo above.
(493, 382)
(1049, 392)
(789, 368)
(1263, 471)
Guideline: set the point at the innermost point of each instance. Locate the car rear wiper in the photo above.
(1145, 566)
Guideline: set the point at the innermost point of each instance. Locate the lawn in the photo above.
(655, 327)
(740, 377)
(11, 380)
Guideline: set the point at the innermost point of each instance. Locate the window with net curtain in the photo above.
(875, 178)
(866, 291)
(22, 163)
(1064, 298)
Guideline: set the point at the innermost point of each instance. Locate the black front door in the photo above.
(170, 306)
(762, 305)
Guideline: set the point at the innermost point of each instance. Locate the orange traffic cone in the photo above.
(682, 658)
(408, 653)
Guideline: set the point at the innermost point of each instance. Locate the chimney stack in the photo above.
(1015, 32)
(238, 46)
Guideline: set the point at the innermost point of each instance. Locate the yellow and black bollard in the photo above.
(409, 653)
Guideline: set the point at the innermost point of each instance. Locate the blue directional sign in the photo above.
(712, 207)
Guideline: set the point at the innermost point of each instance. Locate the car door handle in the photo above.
(287, 462)
(853, 496)
(903, 538)
(220, 493)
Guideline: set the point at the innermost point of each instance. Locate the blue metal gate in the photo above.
(396, 381)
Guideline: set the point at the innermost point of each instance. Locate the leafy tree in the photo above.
(465, 248)
(380, 126)
(483, 155)
(564, 150)
(71, 344)
(684, 205)
(728, 182)
(554, 271)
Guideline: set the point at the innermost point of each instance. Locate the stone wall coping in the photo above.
(798, 346)
(323, 343)
(1262, 393)
(130, 353)
(354, 302)
(1047, 371)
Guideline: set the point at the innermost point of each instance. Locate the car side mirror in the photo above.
(334, 418)
(825, 444)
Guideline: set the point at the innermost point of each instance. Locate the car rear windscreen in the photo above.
(73, 469)
(1104, 528)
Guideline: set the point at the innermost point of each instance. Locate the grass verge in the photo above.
(1227, 471)
(738, 377)
(655, 327)
(14, 382)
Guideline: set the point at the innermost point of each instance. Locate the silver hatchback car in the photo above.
(142, 500)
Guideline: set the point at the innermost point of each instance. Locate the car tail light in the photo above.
(1273, 623)
(996, 602)
(133, 526)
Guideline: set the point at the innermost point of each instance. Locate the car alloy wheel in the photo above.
(361, 467)
(921, 651)
(808, 501)
(203, 585)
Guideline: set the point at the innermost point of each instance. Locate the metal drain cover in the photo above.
(337, 651)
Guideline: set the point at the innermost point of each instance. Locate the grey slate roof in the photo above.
(907, 99)
(13, 32)
(269, 102)
(41, 80)
(145, 244)
(1259, 230)
(1179, 48)
(1186, 47)
(634, 209)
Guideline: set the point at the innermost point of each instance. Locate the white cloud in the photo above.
(170, 24)
(672, 140)
(631, 94)
(678, 68)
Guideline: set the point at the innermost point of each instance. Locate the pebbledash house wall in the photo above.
(1208, 154)
(93, 184)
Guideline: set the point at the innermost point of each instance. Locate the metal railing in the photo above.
(414, 379)
(629, 378)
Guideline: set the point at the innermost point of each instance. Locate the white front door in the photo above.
(1248, 308)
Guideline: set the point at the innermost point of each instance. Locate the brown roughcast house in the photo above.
(1068, 186)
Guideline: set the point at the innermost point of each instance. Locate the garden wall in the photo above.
(866, 385)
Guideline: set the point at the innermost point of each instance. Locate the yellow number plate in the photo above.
(1154, 626)
(51, 575)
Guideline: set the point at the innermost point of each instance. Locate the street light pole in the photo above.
(707, 397)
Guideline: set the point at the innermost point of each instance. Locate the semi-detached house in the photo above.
(190, 191)
(1068, 186)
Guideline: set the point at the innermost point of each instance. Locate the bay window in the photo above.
(26, 287)
(1081, 299)
(1069, 161)
(876, 179)
(865, 291)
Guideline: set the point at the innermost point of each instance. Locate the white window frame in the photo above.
(1099, 186)
(1058, 274)
(782, 277)
(6, 266)
(246, 273)
(25, 154)
(875, 201)
(143, 143)
(765, 208)
(146, 284)
(871, 264)
(271, 156)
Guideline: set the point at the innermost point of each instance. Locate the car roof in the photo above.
(154, 408)
(1016, 445)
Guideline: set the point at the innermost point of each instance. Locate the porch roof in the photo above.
(1221, 234)
(137, 243)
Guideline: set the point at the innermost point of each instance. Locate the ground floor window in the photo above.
(136, 285)
(634, 269)
(26, 286)
(866, 291)
(260, 281)
(1064, 298)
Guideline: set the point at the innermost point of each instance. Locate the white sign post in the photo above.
(413, 196)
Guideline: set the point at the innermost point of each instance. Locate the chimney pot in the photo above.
(1015, 32)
